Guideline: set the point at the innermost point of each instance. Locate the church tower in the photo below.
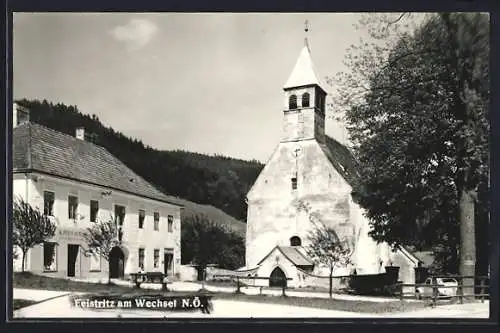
(304, 113)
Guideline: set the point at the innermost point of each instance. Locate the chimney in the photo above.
(20, 115)
(80, 133)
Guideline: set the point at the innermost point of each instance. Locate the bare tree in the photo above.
(326, 248)
(30, 227)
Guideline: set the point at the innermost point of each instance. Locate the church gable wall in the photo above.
(274, 212)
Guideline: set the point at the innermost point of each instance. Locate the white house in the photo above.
(77, 183)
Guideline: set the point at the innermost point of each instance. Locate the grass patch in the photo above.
(31, 281)
(327, 304)
(28, 280)
(21, 303)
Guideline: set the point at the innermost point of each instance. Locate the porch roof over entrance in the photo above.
(293, 254)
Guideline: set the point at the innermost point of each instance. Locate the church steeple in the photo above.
(304, 72)
(304, 114)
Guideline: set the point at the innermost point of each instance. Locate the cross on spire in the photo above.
(306, 29)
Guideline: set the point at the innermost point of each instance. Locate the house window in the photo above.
(294, 183)
(141, 259)
(48, 203)
(72, 207)
(170, 223)
(142, 216)
(292, 102)
(119, 219)
(94, 210)
(95, 262)
(295, 241)
(156, 221)
(156, 258)
(305, 100)
(119, 215)
(49, 256)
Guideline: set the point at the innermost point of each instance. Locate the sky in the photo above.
(208, 83)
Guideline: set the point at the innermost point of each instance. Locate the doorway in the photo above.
(277, 278)
(168, 262)
(116, 263)
(72, 256)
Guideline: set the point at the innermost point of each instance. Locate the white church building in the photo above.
(309, 177)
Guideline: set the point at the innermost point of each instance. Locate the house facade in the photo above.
(307, 182)
(78, 184)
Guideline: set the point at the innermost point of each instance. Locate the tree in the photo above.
(416, 104)
(326, 248)
(101, 238)
(206, 242)
(30, 227)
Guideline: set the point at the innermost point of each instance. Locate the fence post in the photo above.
(434, 292)
(460, 290)
(238, 291)
(482, 290)
(400, 287)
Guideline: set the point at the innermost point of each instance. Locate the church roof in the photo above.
(304, 72)
(342, 160)
(37, 148)
(292, 254)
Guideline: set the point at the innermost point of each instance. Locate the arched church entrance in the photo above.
(116, 263)
(277, 278)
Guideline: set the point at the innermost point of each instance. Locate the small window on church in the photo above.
(305, 100)
(294, 183)
(295, 241)
(292, 102)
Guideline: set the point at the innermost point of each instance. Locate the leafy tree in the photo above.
(30, 227)
(416, 103)
(205, 242)
(101, 238)
(327, 249)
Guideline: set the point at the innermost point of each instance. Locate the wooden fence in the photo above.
(465, 290)
(239, 284)
(481, 284)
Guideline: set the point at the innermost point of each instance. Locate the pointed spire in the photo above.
(304, 72)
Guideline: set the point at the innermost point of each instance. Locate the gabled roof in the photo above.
(342, 160)
(304, 72)
(426, 258)
(292, 254)
(37, 148)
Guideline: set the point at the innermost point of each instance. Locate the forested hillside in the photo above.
(208, 180)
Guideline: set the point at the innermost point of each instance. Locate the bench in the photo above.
(150, 277)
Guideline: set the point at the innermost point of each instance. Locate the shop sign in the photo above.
(71, 234)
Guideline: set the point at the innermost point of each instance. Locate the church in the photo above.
(309, 177)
